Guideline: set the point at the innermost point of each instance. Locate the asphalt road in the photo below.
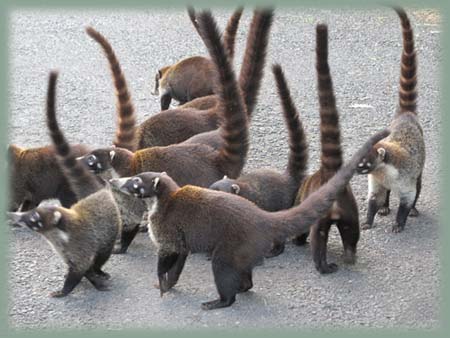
(396, 280)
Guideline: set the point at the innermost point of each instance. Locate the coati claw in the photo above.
(57, 294)
(366, 226)
(397, 228)
(384, 211)
(413, 213)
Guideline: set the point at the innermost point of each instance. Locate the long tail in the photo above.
(331, 158)
(234, 129)
(82, 182)
(252, 69)
(193, 18)
(298, 154)
(300, 218)
(125, 134)
(229, 36)
(408, 73)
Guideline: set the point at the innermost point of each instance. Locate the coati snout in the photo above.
(226, 185)
(99, 160)
(144, 185)
(372, 161)
(39, 220)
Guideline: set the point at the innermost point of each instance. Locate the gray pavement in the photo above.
(396, 280)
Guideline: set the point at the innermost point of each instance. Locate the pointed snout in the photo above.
(121, 184)
(16, 218)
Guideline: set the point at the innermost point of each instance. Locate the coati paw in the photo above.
(103, 275)
(413, 213)
(277, 249)
(143, 228)
(397, 228)
(384, 211)
(349, 257)
(57, 294)
(366, 226)
(327, 268)
(119, 249)
(216, 304)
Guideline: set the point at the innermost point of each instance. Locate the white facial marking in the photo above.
(361, 164)
(64, 236)
(135, 185)
(112, 153)
(99, 166)
(365, 171)
(369, 164)
(56, 217)
(40, 225)
(142, 191)
(156, 182)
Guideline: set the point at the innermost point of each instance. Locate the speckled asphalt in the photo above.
(396, 280)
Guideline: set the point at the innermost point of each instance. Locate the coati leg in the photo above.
(377, 197)
(319, 239)
(165, 263)
(175, 271)
(414, 212)
(227, 279)
(300, 240)
(126, 239)
(406, 203)
(277, 249)
(73, 278)
(165, 101)
(384, 210)
(99, 261)
(348, 227)
(246, 282)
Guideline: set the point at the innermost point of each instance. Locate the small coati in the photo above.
(235, 230)
(344, 212)
(269, 189)
(195, 76)
(177, 125)
(83, 235)
(197, 164)
(35, 176)
(396, 162)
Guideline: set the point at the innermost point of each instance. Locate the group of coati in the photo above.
(181, 169)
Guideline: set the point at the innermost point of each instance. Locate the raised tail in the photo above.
(298, 147)
(125, 134)
(252, 69)
(408, 73)
(330, 136)
(82, 182)
(234, 129)
(193, 18)
(316, 205)
(229, 36)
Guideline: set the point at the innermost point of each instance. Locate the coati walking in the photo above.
(36, 176)
(195, 76)
(269, 189)
(344, 212)
(197, 164)
(83, 235)
(396, 162)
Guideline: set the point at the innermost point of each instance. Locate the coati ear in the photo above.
(112, 153)
(381, 153)
(236, 188)
(56, 217)
(163, 173)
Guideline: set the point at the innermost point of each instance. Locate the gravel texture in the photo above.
(396, 280)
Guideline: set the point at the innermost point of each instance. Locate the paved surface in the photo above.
(396, 280)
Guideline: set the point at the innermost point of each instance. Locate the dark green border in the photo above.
(444, 5)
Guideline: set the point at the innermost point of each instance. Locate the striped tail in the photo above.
(252, 69)
(408, 73)
(331, 158)
(193, 18)
(82, 182)
(229, 36)
(234, 129)
(125, 134)
(298, 147)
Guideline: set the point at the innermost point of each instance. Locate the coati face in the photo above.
(99, 160)
(376, 157)
(226, 185)
(145, 185)
(41, 219)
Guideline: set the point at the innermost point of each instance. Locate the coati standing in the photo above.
(195, 76)
(131, 210)
(344, 212)
(36, 176)
(269, 189)
(83, 235)
(396, 162)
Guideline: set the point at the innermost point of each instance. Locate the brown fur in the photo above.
(344, 212)
(235, 230)
(396, 163)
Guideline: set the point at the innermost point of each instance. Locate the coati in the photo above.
(235, 230)
(83, 235)
(344, 212)
(197, 164)
(269, 189)
(177, 125)
(396, 162)
(195, 76)
(35, 176)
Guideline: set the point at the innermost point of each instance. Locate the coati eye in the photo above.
(91, 160)
(137, 181)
